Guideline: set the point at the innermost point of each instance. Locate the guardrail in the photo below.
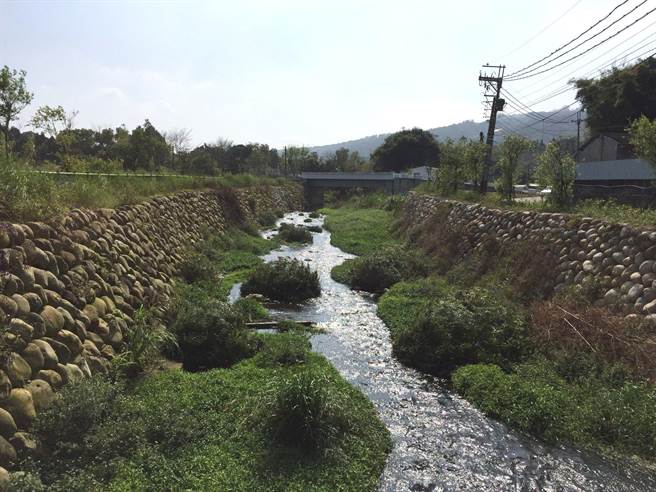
(126, 175)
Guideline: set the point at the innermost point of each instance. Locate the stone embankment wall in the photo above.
(619, 258)
(68, 289)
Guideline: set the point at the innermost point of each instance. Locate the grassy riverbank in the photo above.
(556, 367)
(27, 195)
(219, 430)
(608, 210)
(247, 411)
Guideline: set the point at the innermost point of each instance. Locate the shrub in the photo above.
(374, 273)
(250, 309)
(378, 271)
(307, 412)
(211, 334)
(283, 349)
(294, 234)
(145, 339)
(283, 280)
(197, 267)
(588, 410)
(77, 408)
(268, 218)
(580, 329)
(462, 327)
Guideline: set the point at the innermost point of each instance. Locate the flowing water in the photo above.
(441, 442)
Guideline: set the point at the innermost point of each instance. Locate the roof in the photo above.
(619, 137)
(620, 170)
(348, 176)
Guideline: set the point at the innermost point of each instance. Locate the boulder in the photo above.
(5, 385)
(62, 351)
(7, 424)
(24, 443)
(18, 370)
(8, 305)
(4, 474)
(21, 329)
(75, 372)
(42, 394)
(72, 342)
(51, 377)
(21, 407)
(23, 307)
(53, 319)
(33, 356)
(35, 302)
(50, 359)
(7, 453)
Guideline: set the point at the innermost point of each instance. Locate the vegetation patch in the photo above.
(294, 234)
(208, 431)
(283, 280)
(436, 328)
(572, 401)
(360, 231)
(378, 271)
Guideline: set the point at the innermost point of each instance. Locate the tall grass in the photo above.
(28, 195)
(609, 210)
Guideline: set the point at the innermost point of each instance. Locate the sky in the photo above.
(282, 72)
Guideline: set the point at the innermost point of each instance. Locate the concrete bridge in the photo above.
(315, 184)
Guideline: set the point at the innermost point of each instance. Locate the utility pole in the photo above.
(578, 121)
(494, 103)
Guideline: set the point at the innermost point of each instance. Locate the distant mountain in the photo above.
(528, 126)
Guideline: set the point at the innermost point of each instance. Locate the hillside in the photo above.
(529, 125)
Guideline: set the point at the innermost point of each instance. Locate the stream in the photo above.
(441, 442)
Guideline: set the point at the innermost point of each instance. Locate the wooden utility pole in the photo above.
(494, 103)
(578, 121)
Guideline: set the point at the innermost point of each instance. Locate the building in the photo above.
(625, 180)
(607, 147)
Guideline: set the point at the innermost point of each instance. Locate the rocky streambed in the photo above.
(441, 442)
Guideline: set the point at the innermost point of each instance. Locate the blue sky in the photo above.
(281, 72)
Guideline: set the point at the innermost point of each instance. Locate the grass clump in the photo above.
(145, 340)
(589, 408)
(177, 430)
(283, 280)
(197, 267)
(284, 349)
(378, 271)
(307, 413)
(211, 333)
(250, 309)
(294, 234)
(457, 327)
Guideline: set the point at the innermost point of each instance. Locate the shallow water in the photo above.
(441, 442)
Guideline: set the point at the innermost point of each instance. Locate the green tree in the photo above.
(14, 97)
(557, 170)
(510, 152)
(613, 101)
(147, 149)
(406, 149)
(643, 138)
(473, 160)
(57, 123)
(452, 165)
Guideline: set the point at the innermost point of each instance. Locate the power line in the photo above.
(524, 76)
(617, 56)
(578, 37)
(543, 30)
(568, 87)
